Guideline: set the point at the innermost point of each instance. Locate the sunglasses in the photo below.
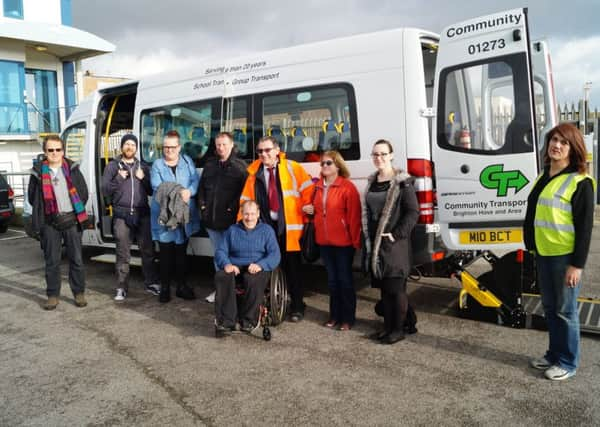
(326, 162)
(264, 150)
(52, 150)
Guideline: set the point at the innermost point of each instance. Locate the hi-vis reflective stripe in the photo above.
(293, 193)
(563, 188)
(292, 175)
(569, 228)
(294, 227)
(555, 203)
(305, 185)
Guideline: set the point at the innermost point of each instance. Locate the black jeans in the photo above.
(173, 263)
(227, 311)
(342, 296)
(52, 240)
(124, 236)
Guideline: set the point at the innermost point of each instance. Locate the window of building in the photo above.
(13, 9)
(74, 138)
(13, 114)
(69, 86)
(65, 12)
(42, 99)
(486, 107)
(196, 122)
(308, 121)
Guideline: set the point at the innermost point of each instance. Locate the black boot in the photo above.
(165, 294)
(185, 292)
(410, 323)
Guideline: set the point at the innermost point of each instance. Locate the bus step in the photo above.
(112, 258)
(588, 308)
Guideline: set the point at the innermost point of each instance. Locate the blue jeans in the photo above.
(342, 296)
(215, 236)
(560, 308)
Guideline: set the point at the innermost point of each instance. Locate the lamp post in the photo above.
(586, 99)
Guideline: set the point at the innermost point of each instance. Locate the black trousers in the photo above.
(173, 263)
(52, 240)
(227, 311)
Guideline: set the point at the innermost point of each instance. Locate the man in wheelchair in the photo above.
(244, 258)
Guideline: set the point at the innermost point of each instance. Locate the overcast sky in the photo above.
(153, 36)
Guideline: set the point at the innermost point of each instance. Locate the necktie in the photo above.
(273, 197)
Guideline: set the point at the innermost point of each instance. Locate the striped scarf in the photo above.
(50, 204)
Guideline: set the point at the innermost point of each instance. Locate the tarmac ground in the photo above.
(144, 363)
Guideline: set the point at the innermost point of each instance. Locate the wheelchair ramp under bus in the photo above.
(589, 311)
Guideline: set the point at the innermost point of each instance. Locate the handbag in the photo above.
(62, 222)
(308, 242)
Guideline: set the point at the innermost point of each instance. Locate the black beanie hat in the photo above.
(129, 137)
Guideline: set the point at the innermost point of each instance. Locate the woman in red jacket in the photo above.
(337, 211)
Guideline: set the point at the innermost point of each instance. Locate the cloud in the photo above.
(575, 62)
(156, 36)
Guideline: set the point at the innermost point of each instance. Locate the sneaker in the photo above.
(121, 294)
(154, 289)
(557, 373)
(221, 331)
(51, 303)
(296, 317)
(541, 363)
(249, 328)
(211, 298)
(80, 300)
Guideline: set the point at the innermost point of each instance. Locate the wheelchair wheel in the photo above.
(277, 297)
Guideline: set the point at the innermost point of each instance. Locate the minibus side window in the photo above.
(308, 121)
(74, 138)
(485, 107)
(196, 122)
(236, 121)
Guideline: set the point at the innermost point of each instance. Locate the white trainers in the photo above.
(210, 298)
(121, 294)
(556, 373)
(540, 363)
(154, 289)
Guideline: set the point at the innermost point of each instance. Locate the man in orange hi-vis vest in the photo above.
(282, 187)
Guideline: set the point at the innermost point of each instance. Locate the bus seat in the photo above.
(346, 137)
(329, 137)
(240, 140)
(276, 132)
(297, 135)
(196, 148)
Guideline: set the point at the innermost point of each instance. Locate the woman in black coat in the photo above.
(390, 211)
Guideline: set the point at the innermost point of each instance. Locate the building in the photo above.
(40, 56)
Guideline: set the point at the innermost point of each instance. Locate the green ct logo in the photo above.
(495, 178)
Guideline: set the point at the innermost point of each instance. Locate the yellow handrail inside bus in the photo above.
(109, 121)
(110, 116)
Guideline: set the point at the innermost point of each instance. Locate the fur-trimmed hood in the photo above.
(398, 217)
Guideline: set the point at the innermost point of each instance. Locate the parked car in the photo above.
(7, 207)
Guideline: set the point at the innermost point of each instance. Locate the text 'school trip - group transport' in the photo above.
(466, 111)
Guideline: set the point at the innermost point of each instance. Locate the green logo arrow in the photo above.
(494, 177)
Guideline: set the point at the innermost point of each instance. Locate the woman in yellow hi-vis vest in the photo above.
(558, 229)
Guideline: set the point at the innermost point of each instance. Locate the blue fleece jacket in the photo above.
(242, 247)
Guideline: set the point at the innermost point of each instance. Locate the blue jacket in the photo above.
(187, 177)
(242, 247)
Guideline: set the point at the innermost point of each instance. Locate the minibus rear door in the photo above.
(484, 147)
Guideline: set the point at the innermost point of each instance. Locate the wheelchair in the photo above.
(273, 309)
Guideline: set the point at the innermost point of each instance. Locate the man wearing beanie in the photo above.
(126, 182)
